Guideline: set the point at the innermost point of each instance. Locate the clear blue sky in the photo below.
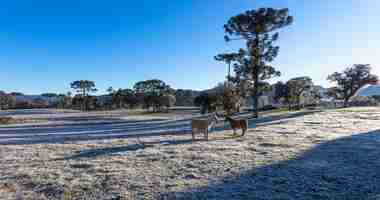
(47, 44)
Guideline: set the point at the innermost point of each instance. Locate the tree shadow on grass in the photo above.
(20, 135)
(92, 153)
(345, 168)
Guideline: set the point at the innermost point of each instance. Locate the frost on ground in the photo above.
(326, 155)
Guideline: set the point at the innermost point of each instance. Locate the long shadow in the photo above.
(26, 112)
(64, 134)
(346, 168)
(270, 120)
(91, 153)
(104, 151)
(104, 121)
(128, 125)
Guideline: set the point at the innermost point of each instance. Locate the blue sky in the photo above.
(46, 44)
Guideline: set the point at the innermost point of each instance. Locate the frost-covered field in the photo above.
(323, 155)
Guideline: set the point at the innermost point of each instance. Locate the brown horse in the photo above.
(238, 124)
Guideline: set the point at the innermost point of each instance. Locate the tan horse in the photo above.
(238, 124)
(203, 125)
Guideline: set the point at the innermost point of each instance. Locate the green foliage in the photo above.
(7, 101)
(296, 88)
(257, 22)
(153, 92)
(167, 100)
(377, 98)
(185, 97)
(83, 88)
(258, 29)
(152, 87)
(209, 101)
(350, 81)
(227, 58)
(223, 96)
(64, 101)
(85, 103)
(110, 90)
(281, 91)
(232, 101)
(124, 98)
(49, 95)
(16, 94)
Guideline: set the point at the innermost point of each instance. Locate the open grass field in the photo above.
(332, 154)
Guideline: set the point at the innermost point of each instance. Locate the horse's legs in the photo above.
(244, 130)
(206, 134)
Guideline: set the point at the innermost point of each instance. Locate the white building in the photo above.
(369, 90)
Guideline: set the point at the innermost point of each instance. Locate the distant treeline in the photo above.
(152, 94)
(155, 95)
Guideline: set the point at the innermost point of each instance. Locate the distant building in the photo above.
(369, 90)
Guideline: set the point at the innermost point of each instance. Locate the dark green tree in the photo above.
(49, 95)
(110, 90)
(351, 80)
(377, 98)
(209, 101)
(83, 88)
(296, 88)
(153, 90)
(228, 58)
(123, 98)
(185, 97)
(64, 101)
(258, 29)
(281, 90)
(167, 101)
(7, 101)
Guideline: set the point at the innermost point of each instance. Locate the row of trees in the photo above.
(151, 94)
(290, 93)
(157, 95)
(11, 101)
(296, 93)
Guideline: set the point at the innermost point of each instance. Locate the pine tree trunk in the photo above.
(255, 75)
(255, 103)
(345, 103)
(298, 103)
(84, 100)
